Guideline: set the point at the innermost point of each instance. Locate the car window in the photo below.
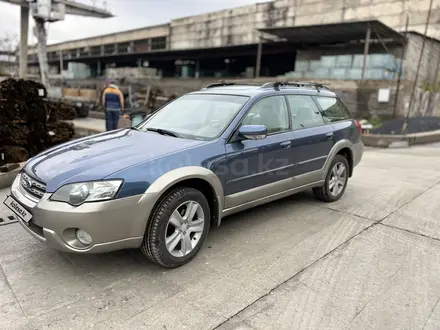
(333, 109)
(305, 113)
(198, 116)
(271, 112)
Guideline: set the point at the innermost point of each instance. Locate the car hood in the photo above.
(98, 156)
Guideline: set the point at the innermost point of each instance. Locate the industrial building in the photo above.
(225, 43)
(356, 41)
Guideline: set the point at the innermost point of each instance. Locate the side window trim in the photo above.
(317, 107)
(289, 111)
(231, 139)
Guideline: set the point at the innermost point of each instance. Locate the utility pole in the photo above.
(42, 51)
(366, 50)
(399, 78)
(24, 17)
(259, 55)
(405, 122)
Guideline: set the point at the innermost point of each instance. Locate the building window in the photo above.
(142, 45)
(123, 47)
(109, 49)
(95, 50)
(33, 58)
(71, 53)
(159, 43)
(84, 52)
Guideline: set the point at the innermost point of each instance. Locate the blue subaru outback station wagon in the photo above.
(160, 186)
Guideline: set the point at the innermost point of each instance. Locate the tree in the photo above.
(9, 42)
(8, 47)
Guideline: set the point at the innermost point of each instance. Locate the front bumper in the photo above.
(113, 225)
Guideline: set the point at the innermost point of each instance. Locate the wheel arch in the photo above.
(342, 147)
(348, 154)
(196, 177)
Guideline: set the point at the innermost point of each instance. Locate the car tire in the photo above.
(158, 238)
(328, 193)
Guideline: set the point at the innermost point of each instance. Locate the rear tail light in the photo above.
(359, 126)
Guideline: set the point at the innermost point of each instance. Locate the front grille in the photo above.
(31, 186)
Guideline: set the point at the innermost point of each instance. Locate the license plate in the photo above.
(19, 210)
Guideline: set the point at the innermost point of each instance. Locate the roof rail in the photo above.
(277, 84)
(223, 83)
(220, 84)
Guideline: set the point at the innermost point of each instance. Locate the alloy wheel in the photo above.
(184, 229)
(338, 178)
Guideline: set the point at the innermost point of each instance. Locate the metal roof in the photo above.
(334, 33)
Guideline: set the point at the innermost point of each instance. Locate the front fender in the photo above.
(174, 177)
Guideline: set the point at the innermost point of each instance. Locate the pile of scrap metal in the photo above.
(150, 98)
(29, 123)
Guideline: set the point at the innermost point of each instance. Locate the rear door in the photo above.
(314, 138)
(336, 113)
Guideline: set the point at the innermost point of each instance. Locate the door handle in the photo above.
(329, 135)
(286, 144)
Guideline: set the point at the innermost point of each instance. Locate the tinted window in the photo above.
(304, 111)
(271, 112)
(198, 115)
(333, 109)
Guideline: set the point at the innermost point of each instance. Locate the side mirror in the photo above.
(253, 132)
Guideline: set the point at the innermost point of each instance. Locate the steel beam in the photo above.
(259, 55)
(72, 8)
(24, 30)
(366, 49)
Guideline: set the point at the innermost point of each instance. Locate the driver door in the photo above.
(259, 168)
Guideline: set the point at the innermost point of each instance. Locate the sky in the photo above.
(130, 14)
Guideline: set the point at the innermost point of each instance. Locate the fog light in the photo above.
(83, 236)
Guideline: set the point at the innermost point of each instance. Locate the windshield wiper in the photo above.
(164, 132)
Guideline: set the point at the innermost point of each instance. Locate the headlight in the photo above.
(78, 193)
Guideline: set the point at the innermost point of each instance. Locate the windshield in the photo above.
(196, 116)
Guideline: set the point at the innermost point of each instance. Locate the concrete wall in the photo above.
(238, 26)
(425, 103)
(125, 36)
(429, 73)
(430, 60)
(390, 12)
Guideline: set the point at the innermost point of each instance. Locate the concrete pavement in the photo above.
(370, 260)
